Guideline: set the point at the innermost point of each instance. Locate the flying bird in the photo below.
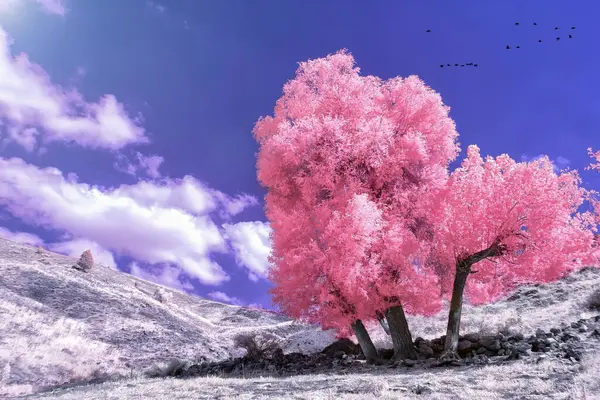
(462, 65)
(449, 65)
(441, 65)
(535, 23)
(518, 47)
(428, 30)
(475, 65)
(540, 41)
(456, 65)
(570, 36)
(557, 39)
(572, 27)
(507, 47)
(516, 23)
(556, 28)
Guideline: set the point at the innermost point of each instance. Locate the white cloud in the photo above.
(74, 248)
(234, 206)
(128, 220)
(147, 164)
(166, 275)
(29, 100)
(21, 237)
(252, 246)
(53, 6)
(186, 194)
(222, 297)
(56, 7)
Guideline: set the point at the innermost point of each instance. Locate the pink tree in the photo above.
(355, 163)
(517, 221)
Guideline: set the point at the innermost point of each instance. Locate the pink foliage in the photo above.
(526, 209)
(353, 164)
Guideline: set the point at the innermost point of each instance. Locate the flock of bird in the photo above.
(470, 64)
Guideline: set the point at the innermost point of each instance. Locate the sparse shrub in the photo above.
(593, 302)
(257, 346)
(170, 368)
(162, 295)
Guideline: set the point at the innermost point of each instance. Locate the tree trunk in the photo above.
(401, 337)
(365, 342)
(460, 279)
(382, 322)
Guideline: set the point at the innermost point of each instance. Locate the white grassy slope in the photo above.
(59, 325)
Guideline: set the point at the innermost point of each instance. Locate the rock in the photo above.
(345, 345)
(540, 333)
(162, 295)
(569, 336)
(572, 352)
(490, 343)
(517, 336)
(464, 345)
(425, 349)
(472, 337)
(555, 331)
(86, 261)
(522, 348)
(595, 334)
(583, 328)
(409, 362)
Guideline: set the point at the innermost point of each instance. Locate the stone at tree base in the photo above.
(86, 261)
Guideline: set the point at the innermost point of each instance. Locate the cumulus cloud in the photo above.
(147, 164)
(74, 248)
(166, 275)
(222, 297)
(234, 206)
(32, 108)
(251, 244)
(187, 194)
(557, 165)
(129, 220)
(53, 6)
(21, 237)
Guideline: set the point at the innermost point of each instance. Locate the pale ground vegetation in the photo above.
(61, 326)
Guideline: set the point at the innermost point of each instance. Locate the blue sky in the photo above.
(159, 178)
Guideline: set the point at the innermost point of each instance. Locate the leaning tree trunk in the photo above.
(463, 269)
(401, 337)
(365, 342)
(382, 322)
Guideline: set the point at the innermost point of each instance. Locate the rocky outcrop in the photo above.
(562, 342)
(85, 262)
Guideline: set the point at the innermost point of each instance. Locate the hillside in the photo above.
(62, 326)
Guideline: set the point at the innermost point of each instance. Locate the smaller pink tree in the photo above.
(519, 222)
